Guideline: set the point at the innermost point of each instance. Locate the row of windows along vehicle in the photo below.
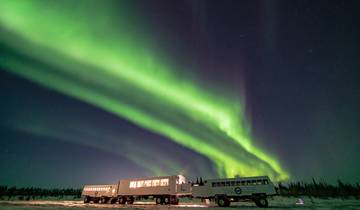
(168, 190)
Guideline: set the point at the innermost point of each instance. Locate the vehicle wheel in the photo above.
(96, 200)
(167, 200)
(159, 200)
(87, 199)
(223, 201)
(102, 200)
(261, 202)
(122, 200)
(113, 200)
(131, 200)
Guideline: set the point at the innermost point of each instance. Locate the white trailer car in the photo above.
(225, 191)
(99, 193)
(164, 189)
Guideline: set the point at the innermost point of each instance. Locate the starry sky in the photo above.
(96, 91)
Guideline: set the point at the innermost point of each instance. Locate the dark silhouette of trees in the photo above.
(27, 193)
(319, 189)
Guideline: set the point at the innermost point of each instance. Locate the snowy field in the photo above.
(276, 203)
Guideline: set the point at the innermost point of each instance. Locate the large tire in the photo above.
(166, 200)
(96, 200)
(159, 200)
(131, 200)
(261, 202)
(223, 201)
(113, 200)
(122, 200)
(103, 200)
(87, 199)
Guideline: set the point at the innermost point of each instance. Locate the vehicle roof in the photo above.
(238, 178)
(147, 178)
(100, 185)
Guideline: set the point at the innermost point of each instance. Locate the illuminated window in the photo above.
(132, 184)
(164, 182)
(155, 183)
(140, 183)
(147, 183)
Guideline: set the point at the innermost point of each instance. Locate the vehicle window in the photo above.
(155, 182)
(140, 183)
(164, 182)
(243, 182)
(238, 183)
(265, 181)
(227, 183)
(147, 183)
(232, 183)
(253, 182)
(222, 184)
(258, 182)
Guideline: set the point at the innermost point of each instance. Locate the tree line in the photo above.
(319, 189)
(27, 193)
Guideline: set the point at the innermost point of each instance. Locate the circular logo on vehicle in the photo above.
(237, 190)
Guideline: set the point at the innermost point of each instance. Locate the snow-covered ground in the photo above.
(276, 203)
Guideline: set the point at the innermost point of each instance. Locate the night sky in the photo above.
(96, 91)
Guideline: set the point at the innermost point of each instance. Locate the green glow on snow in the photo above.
(112, 67)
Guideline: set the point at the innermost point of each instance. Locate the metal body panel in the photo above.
(100, 190)
(148, 186)
(183, 189)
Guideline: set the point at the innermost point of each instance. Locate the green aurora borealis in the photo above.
(65, 47)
